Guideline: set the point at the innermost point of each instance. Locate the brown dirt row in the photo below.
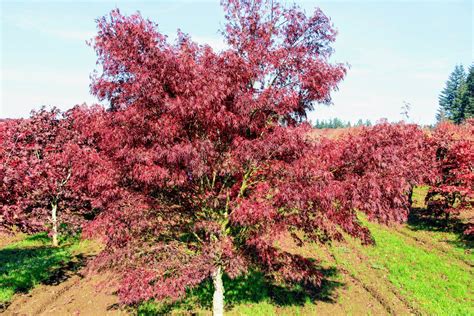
(6, 239)
(77, 295)
(352, 299)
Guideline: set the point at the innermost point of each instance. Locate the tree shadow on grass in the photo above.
(420, 218)
(23, 266)
(253, 287)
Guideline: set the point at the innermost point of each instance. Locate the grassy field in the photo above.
(422, 267)
(32, 261)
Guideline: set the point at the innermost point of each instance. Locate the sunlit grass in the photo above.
(438, 284)
(31, 261)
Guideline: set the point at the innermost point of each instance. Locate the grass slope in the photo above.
(31, 261)
(435, 281)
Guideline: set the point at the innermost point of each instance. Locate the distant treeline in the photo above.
(338, 123)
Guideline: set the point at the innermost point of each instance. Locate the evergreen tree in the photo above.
(449, 97)
(469, 94)
(463, 104)
(460, 104)
(338, 123)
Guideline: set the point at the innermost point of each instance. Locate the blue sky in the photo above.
(398, 50)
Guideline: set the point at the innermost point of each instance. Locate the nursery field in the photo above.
(198, 185)
(420, 268)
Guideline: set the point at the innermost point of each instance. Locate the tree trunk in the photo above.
(54, 220)
(410, 197)
(218, 298)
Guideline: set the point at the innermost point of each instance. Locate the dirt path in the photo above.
(6, 239)
(75, 296)
(352, 299)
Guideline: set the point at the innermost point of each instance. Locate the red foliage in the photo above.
(204, 159)
(381, 165)
(45, 161)
(212, 150)
(454, 187)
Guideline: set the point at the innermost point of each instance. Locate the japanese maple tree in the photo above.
(49, 174)
(212, 150)
(381, 165)
(454, 162)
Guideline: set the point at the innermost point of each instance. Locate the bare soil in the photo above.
(6, 239)
(78, 295)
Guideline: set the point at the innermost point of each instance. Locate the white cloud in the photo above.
(40, 25)
(218, 44)
(24, 90)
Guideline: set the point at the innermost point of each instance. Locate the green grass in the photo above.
(427, 262)
(440, 285)
(32, 261)
(432, 230)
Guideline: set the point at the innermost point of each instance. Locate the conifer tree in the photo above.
(449, 97)
(463, 104)
(470, 89)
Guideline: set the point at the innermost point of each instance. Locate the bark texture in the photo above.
(218, 298)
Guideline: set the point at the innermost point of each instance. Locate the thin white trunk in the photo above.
(54, 220)
(218, 298)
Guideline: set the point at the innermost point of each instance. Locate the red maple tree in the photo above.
(49, 174)
(454, 162)
(381, 165)
(212, 149)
